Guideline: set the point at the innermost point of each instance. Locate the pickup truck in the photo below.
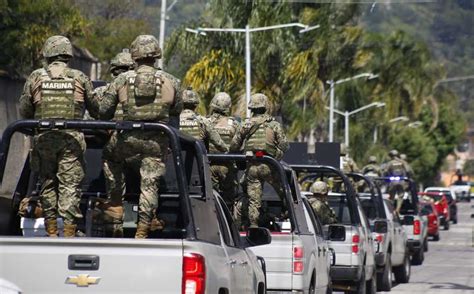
(199, 250)
(298, 258)
(390, 240)
(415, 224)
(351, 238)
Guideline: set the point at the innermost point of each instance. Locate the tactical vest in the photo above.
(261, 139)
(396, 168)
(190, 125)
(144, 100)
(224, 126)
(57, 99)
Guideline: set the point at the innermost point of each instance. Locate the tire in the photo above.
(371, 287)
(446, 225)
(361, 284)
(329, 288)
(418, 257)
(425, 245)
(436, 237)
(403, 272)
(455, 221)
(312, 288)
(384, 279)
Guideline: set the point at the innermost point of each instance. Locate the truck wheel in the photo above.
(455, 221)
(418, 257)
(446, 225)
(436, 237)
(384, 279)
(425, 245)
(402, 272)
(371, 287)
(361, 285)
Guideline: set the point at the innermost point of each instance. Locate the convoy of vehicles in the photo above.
(201, 250)
(442, 207)
(451, 197)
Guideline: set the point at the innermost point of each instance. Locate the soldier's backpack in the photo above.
(260, 136)
(144, 97)
(190, 124)
(396, 168)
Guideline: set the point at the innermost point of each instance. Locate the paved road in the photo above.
(449, 263)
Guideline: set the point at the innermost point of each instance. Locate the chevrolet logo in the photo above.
(82, 280)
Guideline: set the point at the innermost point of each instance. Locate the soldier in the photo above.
(58, 92)
(403, 158)
(372, 169)
(145, 94)
(224, 176)
(395, 168)
(260, 133)
(319, 203)
(348, 165)
(198, 126)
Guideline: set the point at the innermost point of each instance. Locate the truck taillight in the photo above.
(355, 243)
(298, 254)
(416, 227)
(379, 238)
(194, 274)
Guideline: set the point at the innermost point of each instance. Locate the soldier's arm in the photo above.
(109, 100)
(27, 108)
(90, 98)
(214, 137)
(237, 141)
(281, 141)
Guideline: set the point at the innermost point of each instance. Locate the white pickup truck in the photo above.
(298, 258)
(199, 251)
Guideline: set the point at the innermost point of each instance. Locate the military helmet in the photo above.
(190, 96)
(145, 46)
(393, 153)
(344, 149)
(403, 156)
(319, 187)
(372, 159)
(57, 45)
(221, 102)
(123, 59)
(258, 100)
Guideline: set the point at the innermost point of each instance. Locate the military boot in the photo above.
(69, 230)
(157, 224)
(113, 220)
(142, 231)
(51, 226)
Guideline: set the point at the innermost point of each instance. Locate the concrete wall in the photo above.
(10, 91)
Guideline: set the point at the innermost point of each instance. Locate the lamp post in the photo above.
(393, 120)
(247, 30)
(332, 85)
(347, 114)
(163, 19)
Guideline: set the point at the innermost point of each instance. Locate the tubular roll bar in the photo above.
(374, 191)
(329, 169)
(28, 127)
(411, 185)
(223, 158)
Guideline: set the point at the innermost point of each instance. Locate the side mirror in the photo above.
(337, 233)
(380, 227)
(258, 236)
(408, 220)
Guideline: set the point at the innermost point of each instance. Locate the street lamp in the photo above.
(332, 85)
(415, 124)
(393, 120)
(347, 114)
(247, 30)
(163, 19)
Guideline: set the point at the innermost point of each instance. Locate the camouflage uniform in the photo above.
(145, 95)
(372, 169)
(396, 168)
(58, 92)
(198, 126)
(408, 168)
(320, 204)
(260, 133)
(224, 176)
(348, 165)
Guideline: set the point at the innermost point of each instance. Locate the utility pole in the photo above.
(162, 31)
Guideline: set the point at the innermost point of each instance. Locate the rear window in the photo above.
(368, 205)
(340, 206)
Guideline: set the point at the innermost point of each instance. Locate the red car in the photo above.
(429, 210)
(442, 206)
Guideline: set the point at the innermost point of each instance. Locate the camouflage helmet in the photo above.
(403, 156)
(372, 159)
(319, 187)
(57, 45)
(344, 149)
(145, 46)
(393, 153)
(221, 102)
(258, 100)
(123, 59)
(190, 96)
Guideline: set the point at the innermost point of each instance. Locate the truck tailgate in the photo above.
(40, 265)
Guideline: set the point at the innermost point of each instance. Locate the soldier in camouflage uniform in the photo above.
(319, 203)
(198, 126)
(348, 164)
(408, 168)
(396, 189)
(145, 94)
(224, 176)
(58, 92)
(260, 133)
(372, 169)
